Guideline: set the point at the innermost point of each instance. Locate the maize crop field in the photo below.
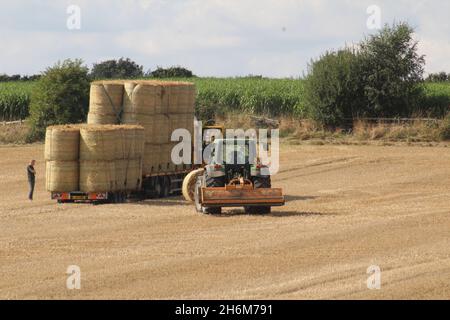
(15, 100)
(220, 96)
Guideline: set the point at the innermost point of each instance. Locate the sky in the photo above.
(273, 38)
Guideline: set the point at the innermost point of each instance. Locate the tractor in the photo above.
(234, 177)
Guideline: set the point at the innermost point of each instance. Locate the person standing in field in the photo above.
(31, 178)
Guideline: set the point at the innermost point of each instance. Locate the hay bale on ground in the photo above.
(97, 176)
(62, 176)
(62, 143)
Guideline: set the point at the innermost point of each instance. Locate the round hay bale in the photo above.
(152, 158)
(176, 121)
(97, 176)
(62, 176)
(62, 143)
(166, 163)
(131, 142)
(146, 121)
(161, 130)
(185, 99)
(188, 188)
(189, 124)
(142, 97)
(106, 97)
(128, 174)
(174, 98)
(191, 99)
(99, 143)
(139, 142)
(94, 118)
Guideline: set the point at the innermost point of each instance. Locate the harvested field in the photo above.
(348, 208)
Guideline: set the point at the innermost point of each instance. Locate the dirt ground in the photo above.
(348, 208)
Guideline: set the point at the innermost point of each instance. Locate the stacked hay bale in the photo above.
(111, 158)
(61, 155)
(160, 107)
(105, 104)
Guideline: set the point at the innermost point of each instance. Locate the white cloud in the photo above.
(213, 37)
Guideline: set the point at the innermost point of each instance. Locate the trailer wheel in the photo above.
(165, 187)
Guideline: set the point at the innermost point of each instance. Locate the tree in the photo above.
(390, 71)
(117, 69)
(438, 77)
(379, 78)
(331, 87)
(61, 96)
(172, 72)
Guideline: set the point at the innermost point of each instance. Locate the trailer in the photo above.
(154, 185)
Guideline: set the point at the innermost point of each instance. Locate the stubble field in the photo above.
(348, 208)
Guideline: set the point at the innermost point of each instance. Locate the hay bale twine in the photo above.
(106, 97)
(152, 158)
(97, 176)
(128, 174)
(94, 118)
(99, 143)
(131, 142)
(62, 176)
(142, 97)
(62, 143)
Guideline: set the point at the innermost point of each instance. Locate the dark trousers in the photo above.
(31, 183)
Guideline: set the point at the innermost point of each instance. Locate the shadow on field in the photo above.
(289, 198)
(281, 214)
(166, 202)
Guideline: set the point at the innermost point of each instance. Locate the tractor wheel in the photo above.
(212, 211)
(197, 189)
(189, 184)
(260, 183)
(198, 205)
